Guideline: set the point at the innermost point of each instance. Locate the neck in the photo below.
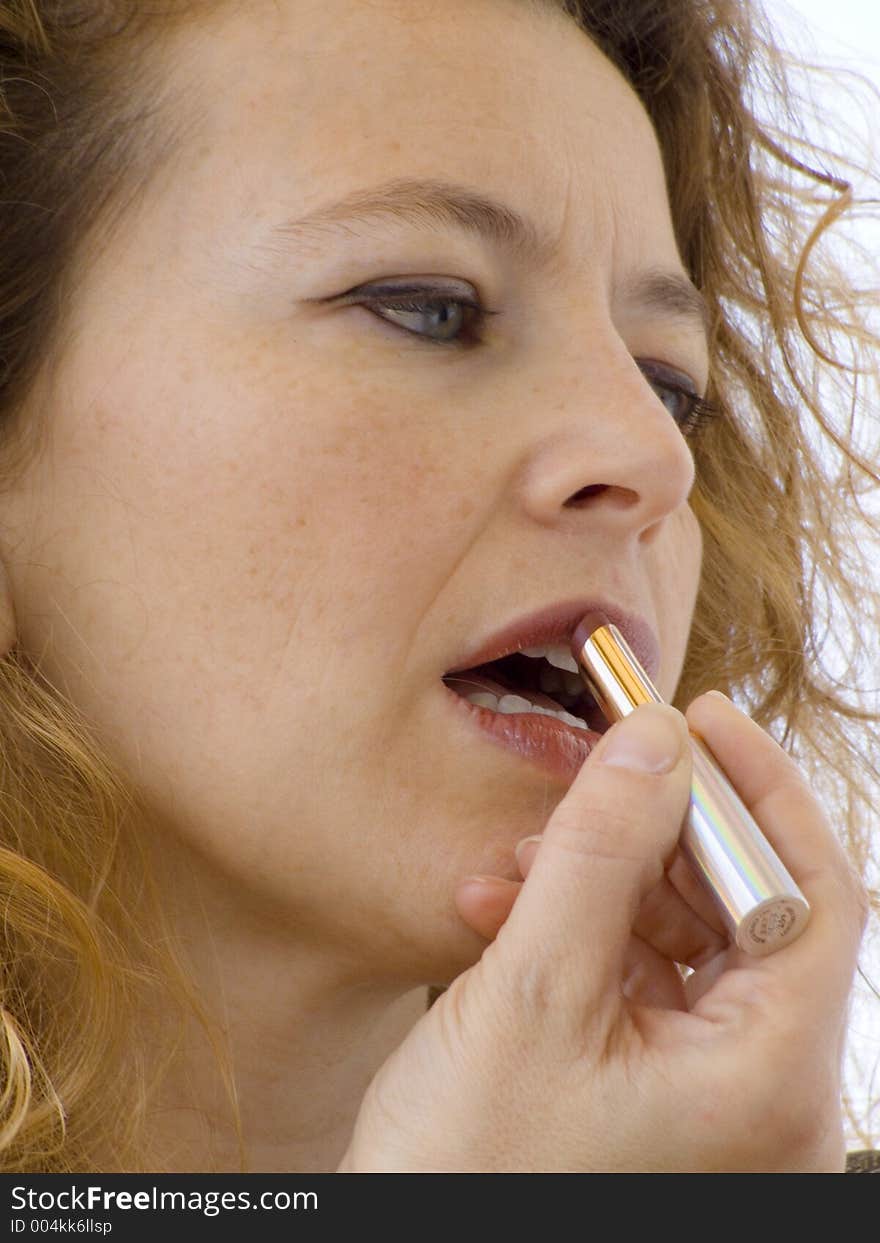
(306, 1023)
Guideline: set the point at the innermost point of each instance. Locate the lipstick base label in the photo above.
(772, 923)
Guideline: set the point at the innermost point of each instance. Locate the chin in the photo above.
(434, 949)
(456, 948)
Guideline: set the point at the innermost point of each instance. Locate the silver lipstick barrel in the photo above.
(761, 906)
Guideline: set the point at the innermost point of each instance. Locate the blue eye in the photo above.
(690, 411)
(418, 300)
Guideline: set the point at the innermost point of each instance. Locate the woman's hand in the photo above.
(572, 1044)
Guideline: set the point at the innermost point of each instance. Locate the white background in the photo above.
(846, 33)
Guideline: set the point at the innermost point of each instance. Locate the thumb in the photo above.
(603, 848)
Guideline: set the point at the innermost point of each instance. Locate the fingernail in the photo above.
(633, 980)
(719, 695)
(648, 739)
(525, 841)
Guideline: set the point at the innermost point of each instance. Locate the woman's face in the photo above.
(266, 523)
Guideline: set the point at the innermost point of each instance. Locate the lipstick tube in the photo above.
(762, 907)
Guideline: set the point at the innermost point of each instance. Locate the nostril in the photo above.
(586, 493)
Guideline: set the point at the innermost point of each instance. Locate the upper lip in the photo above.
(556, 624)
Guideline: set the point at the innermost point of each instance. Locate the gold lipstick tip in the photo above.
(585, 627)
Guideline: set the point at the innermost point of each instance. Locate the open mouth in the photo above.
(529, 684)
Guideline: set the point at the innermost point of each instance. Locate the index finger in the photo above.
(777, 794)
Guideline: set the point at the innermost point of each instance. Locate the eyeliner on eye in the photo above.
(403, 289)
(410, 297)
(693, 412)
(669, 375)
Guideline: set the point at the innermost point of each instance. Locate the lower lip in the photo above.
(553, 746)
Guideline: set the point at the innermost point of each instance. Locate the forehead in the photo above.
(300, 102)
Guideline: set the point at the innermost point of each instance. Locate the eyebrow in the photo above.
(432, 203)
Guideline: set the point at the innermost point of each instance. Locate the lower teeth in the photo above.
(515, 703)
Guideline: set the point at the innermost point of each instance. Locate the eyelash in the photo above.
(699, 411)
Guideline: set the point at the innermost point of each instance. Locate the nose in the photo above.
(609, 448)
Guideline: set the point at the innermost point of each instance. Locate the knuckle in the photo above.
(804, 1121)
(599, 832)
(791, 1126)
(518, 1006)
(854, 899)
(860, 900)
(861, 903)
(790, 1118)
(612, 823)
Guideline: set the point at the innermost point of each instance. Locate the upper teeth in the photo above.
(557, 655)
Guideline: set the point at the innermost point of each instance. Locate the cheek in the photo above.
(691, 544)
(249, 496)
(676, 585)
(224, 545)
(213, 532)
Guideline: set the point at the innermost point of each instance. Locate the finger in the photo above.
(650, 979)
(603, 848)
(763, 775)
(821, 962)
(525, 853)
(666, 920)
(703, 977)
(674, 929)
(485, 902)
(685, 881)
